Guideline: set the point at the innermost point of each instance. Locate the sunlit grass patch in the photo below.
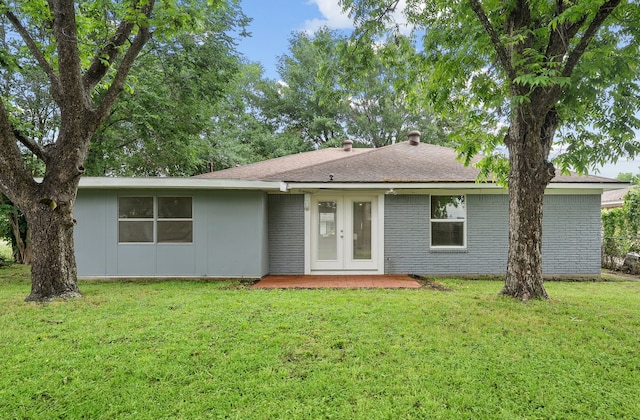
(187, 349)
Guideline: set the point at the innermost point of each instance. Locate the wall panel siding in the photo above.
(286, 234)
(251, 234)
(234, 233)
(229, 237)
(89, 233)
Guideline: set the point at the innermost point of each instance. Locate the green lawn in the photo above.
(149, 350)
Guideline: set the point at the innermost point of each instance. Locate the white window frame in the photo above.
(463, 220)
(155, 220)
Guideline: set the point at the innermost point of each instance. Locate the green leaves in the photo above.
(559, 55)
(621, 226)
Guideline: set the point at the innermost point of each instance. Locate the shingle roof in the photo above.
(397, 163)
(614, 198)
(269, 169)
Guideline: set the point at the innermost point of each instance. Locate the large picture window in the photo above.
(448, 221)
(155, 219)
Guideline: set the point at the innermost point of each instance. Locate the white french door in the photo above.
(344, 233)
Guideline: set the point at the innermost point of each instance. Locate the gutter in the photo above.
(173, 183)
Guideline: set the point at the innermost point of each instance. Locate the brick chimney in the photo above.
(414, 137)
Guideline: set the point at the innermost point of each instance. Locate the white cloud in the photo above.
(334, 17)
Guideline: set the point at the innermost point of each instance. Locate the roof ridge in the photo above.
(276, 160)
(370, 151)
(362, 151)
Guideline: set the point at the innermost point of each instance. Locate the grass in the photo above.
(149, 350)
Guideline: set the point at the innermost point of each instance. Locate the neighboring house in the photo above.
(614, 198)
(410, 208)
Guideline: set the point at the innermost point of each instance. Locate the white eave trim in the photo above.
(492, 188)
(170, 183)
(605, 186)
(390, 185)
(280, 186)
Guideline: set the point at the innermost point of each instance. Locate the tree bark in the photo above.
(48, 205)
(53, 268)
(529, 142)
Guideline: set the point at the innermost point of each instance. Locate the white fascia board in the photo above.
(578, 188)
(170, 183)
(280, 186)
(392, 185)
(466, 187)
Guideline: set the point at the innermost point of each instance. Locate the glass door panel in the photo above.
(361, 213)
(326, 226)
(343, 233)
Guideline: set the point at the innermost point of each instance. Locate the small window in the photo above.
(151, 219)
(448, 220)
(174, 219)
(135, 208)
(135, 219)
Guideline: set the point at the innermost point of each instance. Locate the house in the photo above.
(410, 208)
(614, 198)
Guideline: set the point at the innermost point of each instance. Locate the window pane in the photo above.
(327, 239)
(447, 207)
(174, 207)
(447, 233)
(362, 230)
(135, 207)
(175, 231)
(135, 231)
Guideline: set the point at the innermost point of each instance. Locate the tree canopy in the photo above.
(85, 52)
(556, 82)
(328, 93)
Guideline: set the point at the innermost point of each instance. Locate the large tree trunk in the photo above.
(529, 142)
(53, 269)
(48, 205)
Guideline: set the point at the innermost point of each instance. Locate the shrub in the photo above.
(620, 228)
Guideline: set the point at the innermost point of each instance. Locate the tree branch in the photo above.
(110, 97)
(104, 58)
(66, 32)
(574, 56)
(559, 39)
(501, 51)
(33, 147)
(33, 48)
(14, 175)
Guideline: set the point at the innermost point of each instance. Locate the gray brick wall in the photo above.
(406, 233)
(571, 234)
(571, 244)
(407, 237)
(286, 234)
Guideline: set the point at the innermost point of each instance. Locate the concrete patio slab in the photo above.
(337, 282)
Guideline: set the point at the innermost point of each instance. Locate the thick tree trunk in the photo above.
(53, 269)
(529, 174)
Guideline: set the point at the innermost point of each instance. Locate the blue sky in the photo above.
(275, 20)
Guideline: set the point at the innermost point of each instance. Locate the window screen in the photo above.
(448, 218)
